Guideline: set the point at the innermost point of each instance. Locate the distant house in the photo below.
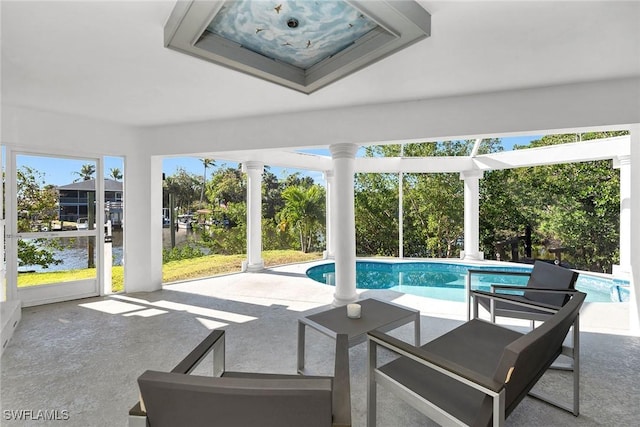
(73, 200)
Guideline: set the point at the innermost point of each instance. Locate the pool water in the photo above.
(447, 280)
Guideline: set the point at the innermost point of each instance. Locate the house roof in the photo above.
(106, 60)
(90, 185)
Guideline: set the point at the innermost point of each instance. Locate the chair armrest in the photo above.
(467, 284)
(213, 342)
(534, 304)
(436, 362)
(516, 301)
(500, 273)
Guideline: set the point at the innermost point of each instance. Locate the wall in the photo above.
(594, 104)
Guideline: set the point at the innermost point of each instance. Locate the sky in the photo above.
(64, 171)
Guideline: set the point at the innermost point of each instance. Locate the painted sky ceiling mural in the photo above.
(298, 32)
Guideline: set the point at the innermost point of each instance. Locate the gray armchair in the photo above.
(239, 399)
(543, 295)
(543, 276)
(475, 374)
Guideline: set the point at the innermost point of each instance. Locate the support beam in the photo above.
(343, 212)
(471, 180)
(254, 260)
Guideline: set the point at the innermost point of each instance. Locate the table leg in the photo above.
(342, 382)
(301, 339)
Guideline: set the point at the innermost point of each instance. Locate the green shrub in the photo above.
(178, 253)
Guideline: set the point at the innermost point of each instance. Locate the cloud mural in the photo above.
(300, 33)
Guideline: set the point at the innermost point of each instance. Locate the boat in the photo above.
(82, 224)
(185, 221)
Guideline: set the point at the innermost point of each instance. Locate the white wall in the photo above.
(603, 103)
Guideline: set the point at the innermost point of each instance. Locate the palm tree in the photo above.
(206, 163)
(303, 211)
(115, 173)
(86, 172)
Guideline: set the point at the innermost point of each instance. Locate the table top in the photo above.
(375, 314)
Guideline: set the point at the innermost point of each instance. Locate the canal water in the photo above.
(74, 254)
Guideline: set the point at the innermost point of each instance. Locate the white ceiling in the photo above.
(105, 59)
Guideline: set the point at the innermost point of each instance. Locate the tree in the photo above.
(184, 187)
(303, 212)
(271, 195)
(36, 202)
(227, 186)
(115, 173)
(501, 215)
(205, 163)
(37, 206)
(86, 172)
(376, 214)
(575, 206)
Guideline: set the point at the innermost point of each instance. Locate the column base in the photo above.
(621, 271)
(478, 256)
(327, 255)
(340, 302)
(252, 268)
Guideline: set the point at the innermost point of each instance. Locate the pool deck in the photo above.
(606, 317)
(84, 356)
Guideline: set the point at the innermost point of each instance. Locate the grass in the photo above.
(206, 266)
(213, 265)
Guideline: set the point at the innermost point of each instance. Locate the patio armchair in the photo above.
(241, 399)
(540, 302)
(543, 276)
(475, 374)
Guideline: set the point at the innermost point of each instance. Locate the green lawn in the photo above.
(210, 265)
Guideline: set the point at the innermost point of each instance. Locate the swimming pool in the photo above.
(443, 280)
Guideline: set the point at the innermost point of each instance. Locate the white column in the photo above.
(142, 223)
(344, 224)
(624, 164)
(472, 214)
(329, 252)
(634, 227)
(254, 260)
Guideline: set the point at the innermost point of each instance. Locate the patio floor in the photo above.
(83, 357)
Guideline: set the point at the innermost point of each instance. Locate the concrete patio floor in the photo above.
(81, 358)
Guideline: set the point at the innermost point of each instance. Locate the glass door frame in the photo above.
(59, 291)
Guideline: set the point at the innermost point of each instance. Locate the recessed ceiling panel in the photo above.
(301, 44)
(300, 33)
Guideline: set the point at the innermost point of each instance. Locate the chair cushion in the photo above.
(477, 345)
